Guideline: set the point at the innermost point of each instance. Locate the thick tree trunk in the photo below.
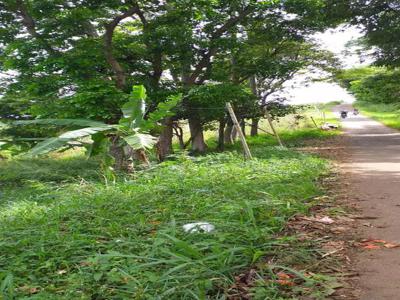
(196, 132)
(121, 159)
(254, 126)
(221, 137)
(228, 133)
(165, 140)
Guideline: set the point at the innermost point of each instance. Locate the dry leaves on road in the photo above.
(375, 244)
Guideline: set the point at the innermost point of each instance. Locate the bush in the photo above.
(372, 85)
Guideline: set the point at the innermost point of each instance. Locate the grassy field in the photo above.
(388, 114)
(65, 234)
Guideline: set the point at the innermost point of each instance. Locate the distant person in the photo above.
(355, 112)
(343, 114)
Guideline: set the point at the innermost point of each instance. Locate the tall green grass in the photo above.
(388, 114)
(64, 234)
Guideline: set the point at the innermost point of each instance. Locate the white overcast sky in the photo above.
(334, 40)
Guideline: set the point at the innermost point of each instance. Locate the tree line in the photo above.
(80, 58)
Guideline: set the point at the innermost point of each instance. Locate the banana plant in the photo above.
(132, 131)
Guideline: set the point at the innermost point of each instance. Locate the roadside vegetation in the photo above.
(114, 134)
(67, 232)
(376, 91)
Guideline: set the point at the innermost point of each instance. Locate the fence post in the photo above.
(246, 148)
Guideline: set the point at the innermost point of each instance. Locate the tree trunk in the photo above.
(142, 156)
(164, 146)
(221, 137)
(254, 126)
(179, 134)
(196, 132)
(234, 134)
(243, 126)
(121, 160)
(228, 133)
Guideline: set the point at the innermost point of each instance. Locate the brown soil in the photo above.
(372, 169)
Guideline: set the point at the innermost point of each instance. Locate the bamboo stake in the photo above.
(247, 153)
(272, 127)
(312, 119)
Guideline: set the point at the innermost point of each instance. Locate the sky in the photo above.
(299, 92)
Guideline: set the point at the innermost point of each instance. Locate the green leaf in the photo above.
(134, 109)
(141, 141)
(163, 110)
(139, 92)
(100, 144)
(60, 122)
(55, 143)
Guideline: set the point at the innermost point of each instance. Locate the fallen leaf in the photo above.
(371, 247)
(283, 276)
(391, 246)
(378, 241)
(285, 282)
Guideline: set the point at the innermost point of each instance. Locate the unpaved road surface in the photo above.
(374, 168)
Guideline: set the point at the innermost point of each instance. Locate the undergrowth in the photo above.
(388, 114)
(64, 234)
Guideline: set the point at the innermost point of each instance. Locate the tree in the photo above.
(380, 20)
(78, 58)
(372, 85)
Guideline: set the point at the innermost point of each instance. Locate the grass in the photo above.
(64, 234)
(388, 114)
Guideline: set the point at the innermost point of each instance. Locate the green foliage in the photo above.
(387, 113)
(381, 21)
(208, 102)
(80, 239)
(140, 141)
(373, 85)
(346, 77)
(133, 127)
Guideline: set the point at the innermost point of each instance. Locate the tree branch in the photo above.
(206, 59)
(108, 46)
(30, 24)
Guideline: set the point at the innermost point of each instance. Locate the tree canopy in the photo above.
(380, 19)
(80, 58)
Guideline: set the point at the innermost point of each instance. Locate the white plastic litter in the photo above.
(198, 227)
(329, 126)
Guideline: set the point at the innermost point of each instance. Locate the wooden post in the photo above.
(247, 153)
(315, 123)
(272, 127)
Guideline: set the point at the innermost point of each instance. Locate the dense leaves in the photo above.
(77, 59)
(373, 85)
(381, 19)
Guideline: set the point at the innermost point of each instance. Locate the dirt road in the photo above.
(374, 168)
